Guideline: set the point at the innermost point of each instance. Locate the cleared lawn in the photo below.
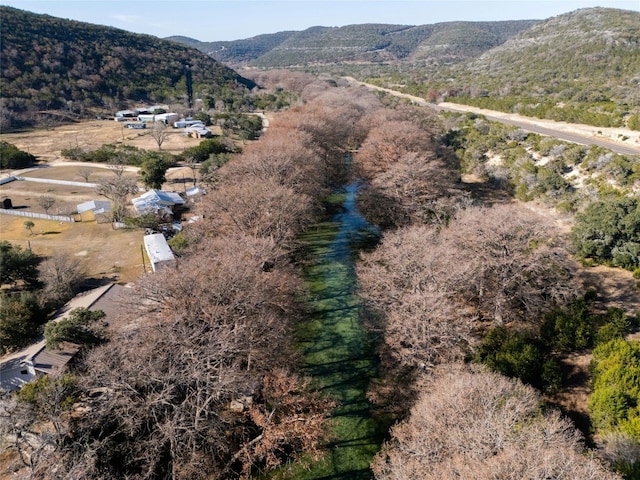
(103, 251)
(46, 145)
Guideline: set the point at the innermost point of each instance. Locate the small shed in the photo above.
(99, 209)
(158, 251)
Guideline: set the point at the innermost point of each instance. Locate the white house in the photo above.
(158, 250)
(157, 201)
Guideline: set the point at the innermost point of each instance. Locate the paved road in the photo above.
(529, 126)
(525, 123)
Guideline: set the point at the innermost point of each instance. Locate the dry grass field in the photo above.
(103, 251)
(47, 144)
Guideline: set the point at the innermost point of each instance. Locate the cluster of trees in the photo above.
(12, 157)
(533, 355)
(473, 424)
(594, 184)
(203, 381)
(608, 231)
(33, 287)
(454, 282)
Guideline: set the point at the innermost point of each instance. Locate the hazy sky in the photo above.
(211, 20)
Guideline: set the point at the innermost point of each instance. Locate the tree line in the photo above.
(461, 286)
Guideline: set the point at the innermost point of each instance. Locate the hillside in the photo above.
(586, 55)
(366, 43)
(67, 67)
(580, 67)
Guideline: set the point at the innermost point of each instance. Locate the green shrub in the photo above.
(614, 404)
(12, 157)
(515, 354)
(570, 328)
(20, 320)
(80, 326)
(608, 231)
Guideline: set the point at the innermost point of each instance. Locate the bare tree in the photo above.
(117, 188)
(46, 202)
(85, 173)
(159, 132)
(61, 275)
(258, 208)
(472, 424)
(199, 384)
(438, 289)
(118, 165)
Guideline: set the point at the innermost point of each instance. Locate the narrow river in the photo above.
(337, 350)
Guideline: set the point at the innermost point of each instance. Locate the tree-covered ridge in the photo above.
(587, 55)
(370, 43)
(237, 51)
(50, 63)
(580, 67)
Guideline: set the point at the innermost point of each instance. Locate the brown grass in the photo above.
(46, 145)
(103, 251)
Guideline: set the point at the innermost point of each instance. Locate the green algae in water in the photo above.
(337, 350)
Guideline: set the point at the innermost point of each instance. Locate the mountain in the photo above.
(583, 67)
(589, 47)
(365, 43)
(52, 64)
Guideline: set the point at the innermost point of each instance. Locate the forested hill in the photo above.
(438, 43)
(589, 55)
(52, 64)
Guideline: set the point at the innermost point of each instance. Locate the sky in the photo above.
(215, 20)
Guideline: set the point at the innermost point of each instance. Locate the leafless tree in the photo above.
(118, 166)
(46, 202)
(159, 132)
(257, 208)
(61, 275)
(438, 289)
(200, 385)
(472, 424)
(117, 188)
(85, 173)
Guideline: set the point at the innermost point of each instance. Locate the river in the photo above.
(338, 352)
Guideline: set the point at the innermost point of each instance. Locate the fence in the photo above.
(7, 180)
(57, 182)
(42, 216)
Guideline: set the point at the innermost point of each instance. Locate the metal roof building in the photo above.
(158, 250)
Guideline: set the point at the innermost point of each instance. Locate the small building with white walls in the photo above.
(157, 201)
(158, 251)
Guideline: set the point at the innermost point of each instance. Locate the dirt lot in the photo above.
(47, 144)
